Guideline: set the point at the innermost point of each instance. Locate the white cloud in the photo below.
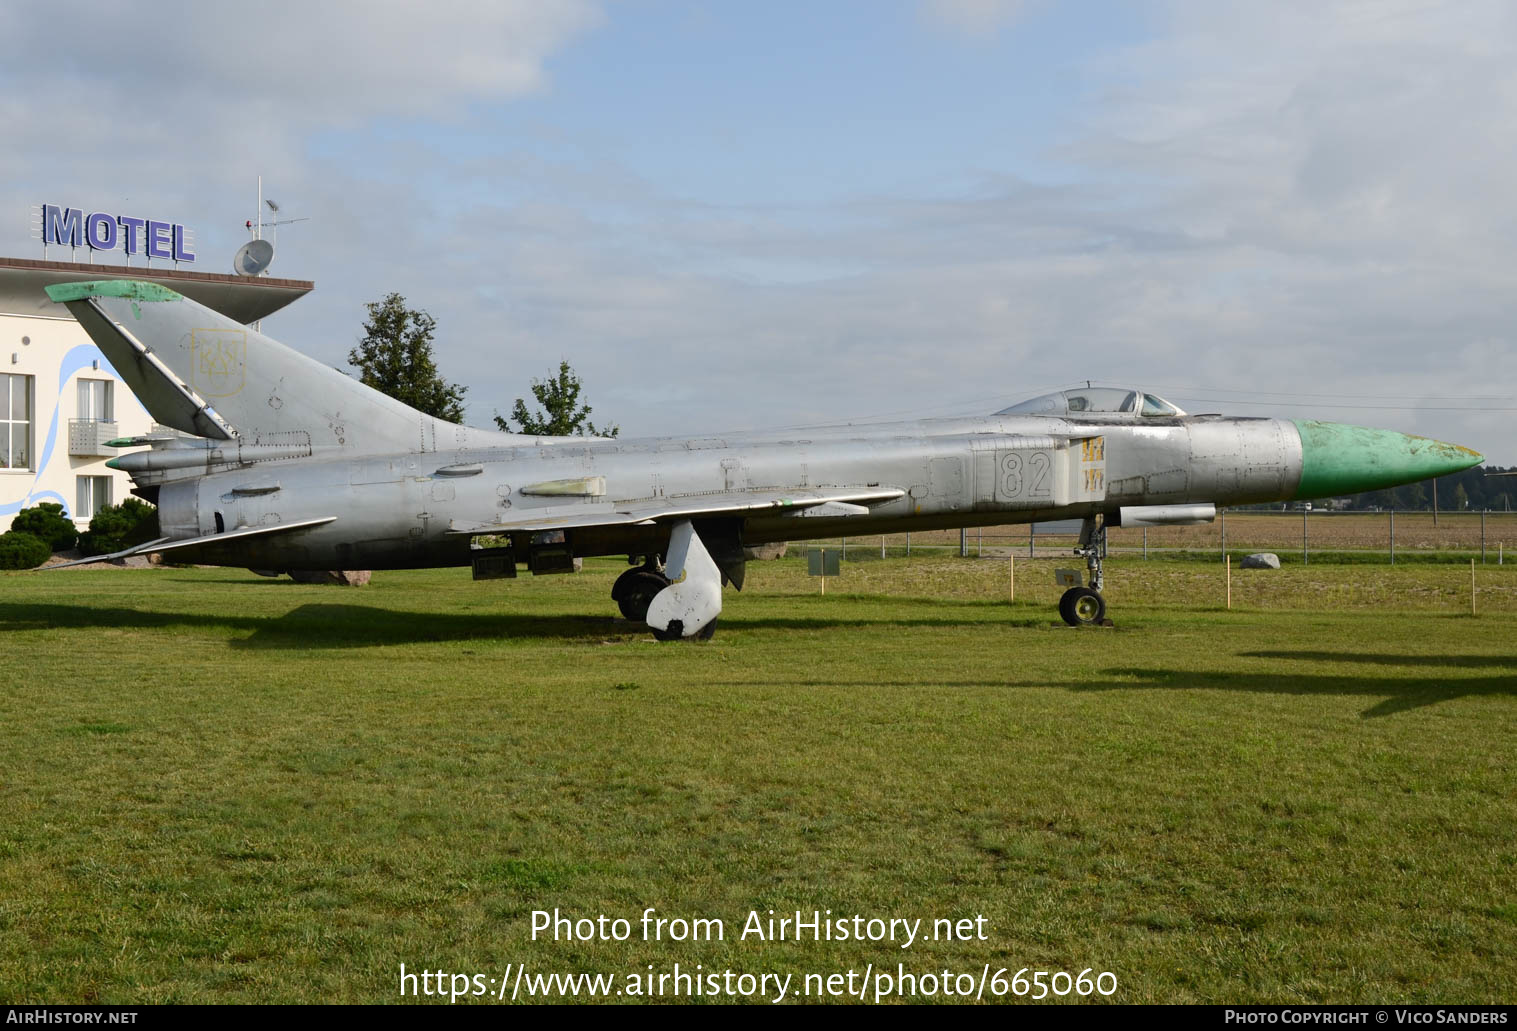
(185, 96)
(1296, 198)
(173, 111)
(1339, 172)
(336, 62)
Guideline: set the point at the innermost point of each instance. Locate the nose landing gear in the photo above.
(1081, 606)
(1084, 606)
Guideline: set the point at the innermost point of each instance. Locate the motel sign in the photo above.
(102, 231)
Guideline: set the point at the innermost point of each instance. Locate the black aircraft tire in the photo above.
(1082, 606)
(635, 591)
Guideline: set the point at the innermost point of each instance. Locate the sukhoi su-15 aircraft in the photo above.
(295, 466)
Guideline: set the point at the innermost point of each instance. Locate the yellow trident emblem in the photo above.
(218, 361)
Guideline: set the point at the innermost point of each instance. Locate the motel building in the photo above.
(60, 399)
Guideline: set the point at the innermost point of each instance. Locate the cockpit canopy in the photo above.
(1104, 401)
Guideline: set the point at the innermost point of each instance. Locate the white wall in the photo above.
(59, 353)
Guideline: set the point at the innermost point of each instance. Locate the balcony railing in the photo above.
(87, 437)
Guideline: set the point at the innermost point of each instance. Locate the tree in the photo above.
(117, 527)
(22, 550)
(563, 415)
(49, 522)
(395, 357)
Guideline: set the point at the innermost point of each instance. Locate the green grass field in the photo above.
(221, 788)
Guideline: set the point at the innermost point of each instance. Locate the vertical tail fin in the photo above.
(201, 372)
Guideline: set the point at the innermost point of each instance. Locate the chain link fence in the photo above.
(1295, 536)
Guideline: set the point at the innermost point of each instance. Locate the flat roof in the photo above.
(23, 284)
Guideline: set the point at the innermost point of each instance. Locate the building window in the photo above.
(15, 422)
(95, 400)
(92, 494)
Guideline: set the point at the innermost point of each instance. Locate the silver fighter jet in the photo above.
(295, 466)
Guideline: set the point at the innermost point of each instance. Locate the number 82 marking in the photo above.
(1029, 473)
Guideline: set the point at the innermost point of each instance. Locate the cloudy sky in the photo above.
(730, 215)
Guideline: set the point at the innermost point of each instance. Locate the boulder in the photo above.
(760, 552)
(1263, 560)
(339, 577)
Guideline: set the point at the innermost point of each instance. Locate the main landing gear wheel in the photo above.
(1081, 606)
(635, 590)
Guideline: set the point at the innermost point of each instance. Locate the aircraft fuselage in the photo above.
(294, 466)
(406, 510)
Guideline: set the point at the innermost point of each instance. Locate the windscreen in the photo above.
(1096, 401)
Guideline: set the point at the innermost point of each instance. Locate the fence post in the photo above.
(1482, 536)
(844, 555)
(1393, 536)
(1031, 529)
(979, 542)
(882, 545)
(1306, 555)
(963, 542)
(1145, 544)
(908, 545)
(1224, 536)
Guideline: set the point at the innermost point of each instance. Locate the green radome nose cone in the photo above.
(1340, 459)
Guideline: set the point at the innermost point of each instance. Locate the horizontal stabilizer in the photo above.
(164, 545)
(699, 506)
(137, 549)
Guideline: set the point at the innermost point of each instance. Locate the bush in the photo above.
(117, 527)
(22, 551)
(48, 521)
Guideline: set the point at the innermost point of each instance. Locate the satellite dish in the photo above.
(253, 257)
